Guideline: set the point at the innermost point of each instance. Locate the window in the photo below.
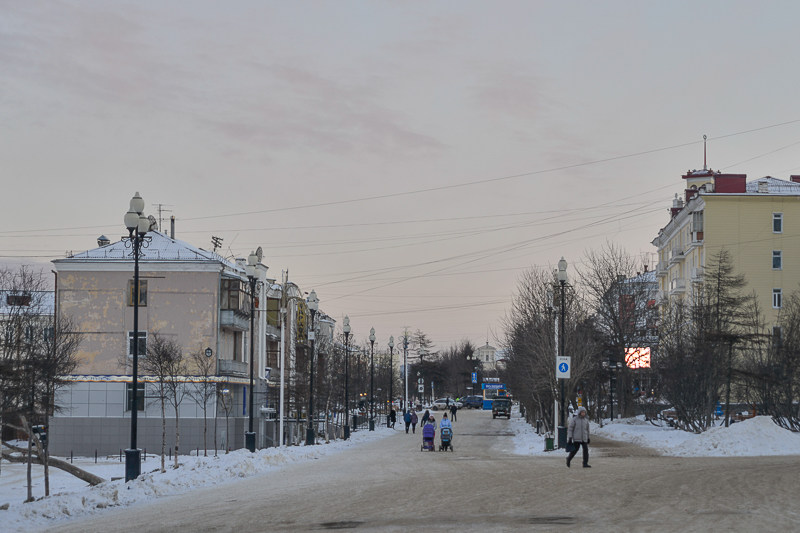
(231, 294)
(29, 333)
(777, 297)
(139, 396)
(777, 336)
(142, 344)
(777, 260)
(777, 222)
(18, 300)
(142, 293)
(48, 334)
(9, 334)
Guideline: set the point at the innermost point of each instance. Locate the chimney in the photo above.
(172, 227)
(730, 183)
(795, 178)
(102, 240)
(677, 205)
(763, 187)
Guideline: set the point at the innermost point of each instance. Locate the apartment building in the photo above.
(757, 221)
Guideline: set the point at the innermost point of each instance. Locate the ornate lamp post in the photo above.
(372, 379)
(138, 225)
(346, 330)
(405, 371)
(252, 277)
(391, 379)
(562, 280)
(313, 305)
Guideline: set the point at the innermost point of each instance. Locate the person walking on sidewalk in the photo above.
(414, 420)
(425, 418)
(407, 420)
(578, 434)
(453, 410)
(445, 422)
(392, 418)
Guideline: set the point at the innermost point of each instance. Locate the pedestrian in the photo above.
(392, 418)
(453, 410)
(445, 422)
(414, 420)
(425, 418)
(432, 421)
(407, 420)
(578, 434)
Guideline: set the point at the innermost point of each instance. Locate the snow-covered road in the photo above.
(389, 485)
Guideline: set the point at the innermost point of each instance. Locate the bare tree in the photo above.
(622, 295)
(158, 364)
(204, 389)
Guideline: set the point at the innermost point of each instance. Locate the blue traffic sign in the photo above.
(563, 367)
(474, 377)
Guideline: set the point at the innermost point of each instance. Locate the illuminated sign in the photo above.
(637, 357)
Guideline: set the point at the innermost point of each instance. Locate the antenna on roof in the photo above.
(161, 210)
(704, 153)
(216, 242)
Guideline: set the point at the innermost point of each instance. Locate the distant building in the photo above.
(486, 355)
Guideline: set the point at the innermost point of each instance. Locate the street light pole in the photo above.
(250, 436)
(138, 225)
(405, 370)
(346, 329)
(562, 280)
(391, 379)
(372, 379)
(313, 305)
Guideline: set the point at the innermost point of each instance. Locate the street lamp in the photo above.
(346, 329)
(313, 305)
(372, 379)
(405, 371)
(138, 225)
(391, 379)
(562, 280)
(252, 276)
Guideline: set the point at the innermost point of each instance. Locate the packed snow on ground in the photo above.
(752, 437)
(755, 436)
(70, 497)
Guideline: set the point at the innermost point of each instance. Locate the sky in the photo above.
(406, 160)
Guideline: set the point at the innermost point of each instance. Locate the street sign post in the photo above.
(474, 377)
(422, 388)
(563, 367)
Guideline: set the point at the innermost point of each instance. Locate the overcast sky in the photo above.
(408, 160)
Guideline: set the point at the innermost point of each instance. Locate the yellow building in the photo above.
(758, 222)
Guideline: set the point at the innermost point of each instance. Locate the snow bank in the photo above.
(752, 437)
(194, 472)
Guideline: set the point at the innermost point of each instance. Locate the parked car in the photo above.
(501, 407)
(445, 403)
(473, 402)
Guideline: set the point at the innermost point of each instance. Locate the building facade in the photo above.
(757, 222)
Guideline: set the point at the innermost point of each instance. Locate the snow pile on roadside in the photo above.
(753, 437)
(526, 441)
(194, 472)
(642, 433)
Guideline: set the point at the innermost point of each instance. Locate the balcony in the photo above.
(697, 275)
(661, 269)
(234, 319)
(677, 286)
(232, 368)
(677, 255)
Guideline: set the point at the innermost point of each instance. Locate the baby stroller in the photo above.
(428, 436)
(447, 439)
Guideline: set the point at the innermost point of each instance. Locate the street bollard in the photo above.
(95, 456)
(70, 456)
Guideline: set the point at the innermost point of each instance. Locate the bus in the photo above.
(492, 391)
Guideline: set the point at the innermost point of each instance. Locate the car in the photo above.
(444, 404)
(473, 402)
(501, 407)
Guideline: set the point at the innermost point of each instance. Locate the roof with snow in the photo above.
(160, 247)
(774, 186)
